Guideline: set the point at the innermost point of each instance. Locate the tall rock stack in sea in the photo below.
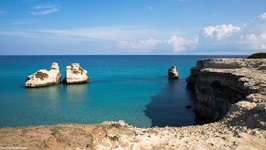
(75, 74)
(44, 77)
(172, 73)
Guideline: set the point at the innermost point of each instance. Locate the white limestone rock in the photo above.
(44, 77)
(75, 74)
(172, 73)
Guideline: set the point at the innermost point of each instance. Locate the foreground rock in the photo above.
(44, 78)
(221, 83)
(118, 135)
(172, 73)
(75, 74)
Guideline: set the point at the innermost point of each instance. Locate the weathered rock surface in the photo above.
(172, 73)
(221, 83)
(75, 74)
(120, 136)
(44, 77)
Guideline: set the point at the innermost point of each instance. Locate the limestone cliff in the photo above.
(44, 77)
(220, 83)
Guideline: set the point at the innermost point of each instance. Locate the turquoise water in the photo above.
(131, 88)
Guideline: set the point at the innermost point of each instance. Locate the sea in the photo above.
(132, 88)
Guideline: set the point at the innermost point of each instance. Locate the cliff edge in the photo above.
(221, 84)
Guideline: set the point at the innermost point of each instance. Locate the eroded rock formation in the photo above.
(221, 83)
(172, 73)
(75, 74)
(44, 77)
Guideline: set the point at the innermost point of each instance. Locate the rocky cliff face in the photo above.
(221, 83)
(44, 77)
(75, 74)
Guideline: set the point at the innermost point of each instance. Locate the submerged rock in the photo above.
(172, 73)
(75, 74)
(44, 77)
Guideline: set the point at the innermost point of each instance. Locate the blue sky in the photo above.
(110, 27)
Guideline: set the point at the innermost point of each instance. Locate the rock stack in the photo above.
(172, 73)
(75, 74)
(44, 77)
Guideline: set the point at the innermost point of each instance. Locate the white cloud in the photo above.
(48, 6)
(263, 36)
(125, 44)
(180, 44)
(173, 44)
(254, 42)
(249, 36)
(13, 33)
(111, 33)
(221, 31)
(25, 22)
(104, 34)
(261, 17)
(142, 44)
(219, 38)
(253, 34)
(45, 12)
(151, 8)
(44, 9)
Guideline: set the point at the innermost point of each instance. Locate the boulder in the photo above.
(44, 77)
(75, 74)
(172, 73)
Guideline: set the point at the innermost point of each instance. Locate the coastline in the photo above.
(242, 127)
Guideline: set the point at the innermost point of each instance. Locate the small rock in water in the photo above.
(172, 73)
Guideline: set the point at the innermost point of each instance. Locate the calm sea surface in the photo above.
(131, 88)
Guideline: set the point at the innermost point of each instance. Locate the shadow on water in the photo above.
(168, 108)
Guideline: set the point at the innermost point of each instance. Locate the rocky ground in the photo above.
(121, 136)
(243, 127)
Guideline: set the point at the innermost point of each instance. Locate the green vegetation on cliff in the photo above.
(257, 56)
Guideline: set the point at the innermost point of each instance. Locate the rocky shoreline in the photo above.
(231, 92)
(226, 82)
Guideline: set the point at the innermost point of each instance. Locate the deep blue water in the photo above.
(131, 88)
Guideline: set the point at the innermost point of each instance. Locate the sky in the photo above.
(132, 27)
